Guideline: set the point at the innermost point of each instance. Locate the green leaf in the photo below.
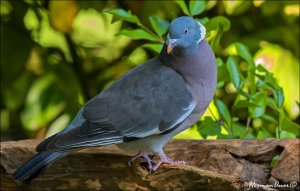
(248, 136)
(216, 41)
(285, 68)
(219, 24)
(261, 83)
(223, 111)
(239, 130)
(230, 136)
(43, 104)
(121, 14)
(272, 103)
(183, 7)
(215, 22)
(244, 53)
(243, 104)
(137, 34)
(279, 97)
(223, 74)
(263, 133)
(196, 7)
(159, 25)
(260, 98)
(233, 72)
(269, 118)
(244, 132)
(267, 80)
(287, 135)
(219, 62)
(220, 84)
(203, 21)
(236, 7)
(290, 126)
(153, 46)
(209, 127)
(261, 68)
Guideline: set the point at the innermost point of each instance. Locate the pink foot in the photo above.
(167, 160)
(163, 159)
(145, 156)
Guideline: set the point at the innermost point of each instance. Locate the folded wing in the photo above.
(148, 100)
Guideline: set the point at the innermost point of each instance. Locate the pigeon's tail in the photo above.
(33, 167)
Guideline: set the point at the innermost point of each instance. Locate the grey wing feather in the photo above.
(148, 100)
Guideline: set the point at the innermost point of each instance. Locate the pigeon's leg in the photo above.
(165, 159)
(144, 155)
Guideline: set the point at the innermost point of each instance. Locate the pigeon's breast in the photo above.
(200, 72)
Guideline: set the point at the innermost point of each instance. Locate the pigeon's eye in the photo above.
(185, 31)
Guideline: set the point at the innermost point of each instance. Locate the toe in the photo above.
(145, 156)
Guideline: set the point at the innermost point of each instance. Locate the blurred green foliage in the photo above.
(55, 55)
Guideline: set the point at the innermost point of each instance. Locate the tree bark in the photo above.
(211, 165)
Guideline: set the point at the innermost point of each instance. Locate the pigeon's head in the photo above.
(184, 34)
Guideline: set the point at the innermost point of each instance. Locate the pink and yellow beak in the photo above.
(170, 47)
(171, 43)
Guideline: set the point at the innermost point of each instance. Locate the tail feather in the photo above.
(33, 167)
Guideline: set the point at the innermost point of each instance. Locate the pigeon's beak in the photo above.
(170, 47)
(171, 43)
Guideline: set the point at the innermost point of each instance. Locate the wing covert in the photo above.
(149, 100)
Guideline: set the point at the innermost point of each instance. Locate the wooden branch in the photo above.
(211, 165)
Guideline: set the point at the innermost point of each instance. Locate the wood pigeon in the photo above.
(144, 108)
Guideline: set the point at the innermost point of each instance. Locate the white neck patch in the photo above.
(203, 32)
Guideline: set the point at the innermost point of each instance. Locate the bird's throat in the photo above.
(196, 66)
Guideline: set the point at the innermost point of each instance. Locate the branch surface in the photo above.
(211, 165)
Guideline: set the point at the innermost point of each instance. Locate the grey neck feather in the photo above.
(196, 67)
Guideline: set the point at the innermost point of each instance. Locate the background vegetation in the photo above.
(56, 55)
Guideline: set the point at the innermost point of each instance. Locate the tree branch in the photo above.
(211, 165)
